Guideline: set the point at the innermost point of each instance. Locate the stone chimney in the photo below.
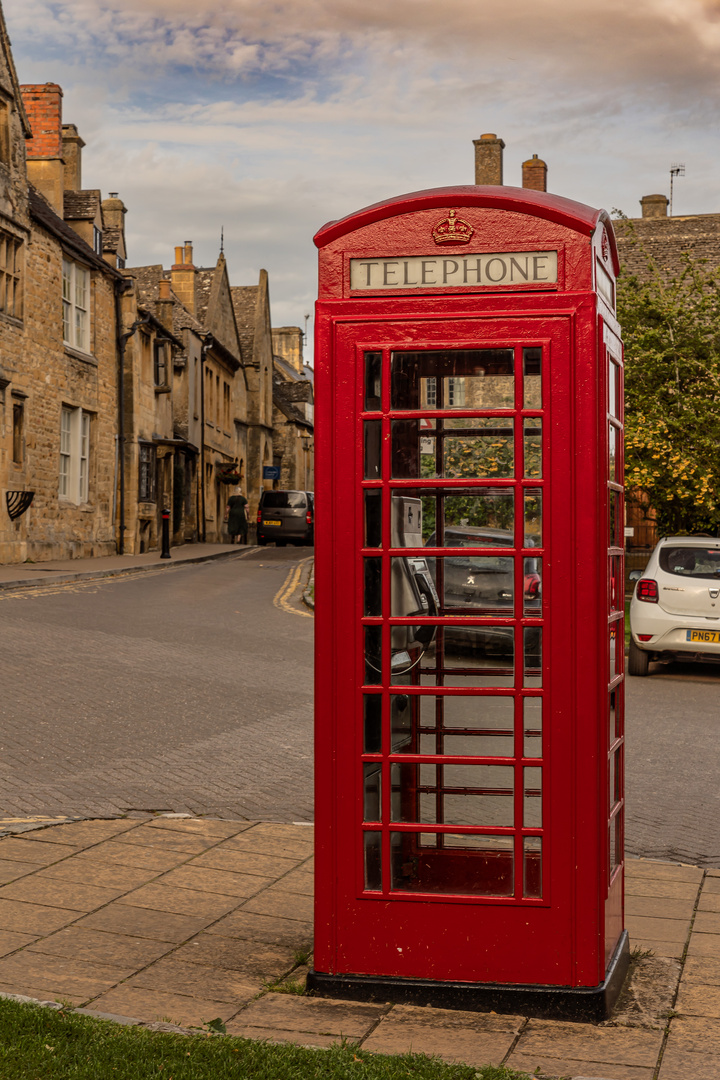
(72, 146)
(654, 206)
(113, 223)
(45, 166)
(287, 342)
(488, 159)
(183, 276)
(164, 304)
(534, 174)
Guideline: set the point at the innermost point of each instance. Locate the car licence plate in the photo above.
(268, 522)
(706, 637)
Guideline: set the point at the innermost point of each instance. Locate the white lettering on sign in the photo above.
(492, 268)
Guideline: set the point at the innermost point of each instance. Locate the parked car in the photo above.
(485, 582)
(287, 517)
(675, 609)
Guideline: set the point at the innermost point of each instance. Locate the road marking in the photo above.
(288, 587)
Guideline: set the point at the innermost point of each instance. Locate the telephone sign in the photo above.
(469, 611)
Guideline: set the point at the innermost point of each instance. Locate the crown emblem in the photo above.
(452, 230)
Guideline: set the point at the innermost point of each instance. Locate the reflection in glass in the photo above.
(532, 447)
(532, 727)
(371, 791)
(613, 647)
(373, 860)
(613, 388)
(453, 379)
(373, 449)
(472, 517)
(532, 797)
(487, 452)
(373, 655)
(373, 586)
(533, 517)
(616, 537)
(616, 584)
(614, 779)
(532, 867)
(402, 709)
(612, 454)
(373, 372)
(372, 724)
(466, 584)
(532, 381)
(532, 587)
(373, 518)
(467, 656)
(479, 795)
(452, 863)
(614, 719)
(532, 649)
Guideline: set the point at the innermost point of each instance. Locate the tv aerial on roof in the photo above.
(677, 168)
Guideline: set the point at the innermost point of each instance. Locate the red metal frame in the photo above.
(566, 936)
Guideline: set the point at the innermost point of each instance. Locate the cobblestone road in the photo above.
(186, 690)
(190, 690)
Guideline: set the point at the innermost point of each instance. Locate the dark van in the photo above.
(287, 517)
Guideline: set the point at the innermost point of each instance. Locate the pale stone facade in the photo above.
(293, 419)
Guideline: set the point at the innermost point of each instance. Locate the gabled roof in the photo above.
(244, 299)
(81, 205)
(148, 287)
(42, 212)
(665, 240)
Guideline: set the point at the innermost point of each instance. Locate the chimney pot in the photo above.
(178, 256)
(188, 253)
(489, 159)
(654, 206)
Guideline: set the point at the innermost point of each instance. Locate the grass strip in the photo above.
(38, 1043)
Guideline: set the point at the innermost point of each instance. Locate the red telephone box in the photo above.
(469, 618)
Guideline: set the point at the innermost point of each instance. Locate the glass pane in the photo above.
(614, 776)
(613, 648)
(373, 519)
(474, 517)
(373, 447)
(614, 718)
(453, 864)
(532, 647)
(479, 795)
(489, 454)
(613, 388)
(373, 586)
(532, 797)
(532, 586)
(371, 791)
(462, 656)
(372, 724)
(616, 524)
(373, 653)
(403, 723)
(532, 382)
(467, 726)
(533, 517)
(532, 867)
(612, 454)
(532, 727)
(532, 431)
(373, 371)
(373, 860)
(453, 379)
(616, 584)
(616, 842)
(465, 585)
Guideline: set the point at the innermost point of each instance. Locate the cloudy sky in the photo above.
(270, 117)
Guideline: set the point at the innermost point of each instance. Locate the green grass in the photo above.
(43, 1044)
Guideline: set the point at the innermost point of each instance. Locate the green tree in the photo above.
(671, 329)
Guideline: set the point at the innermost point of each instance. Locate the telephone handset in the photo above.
(412, 586)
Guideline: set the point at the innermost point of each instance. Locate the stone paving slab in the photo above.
(177, 920)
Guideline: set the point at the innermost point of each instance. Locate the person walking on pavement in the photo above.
(237, 518)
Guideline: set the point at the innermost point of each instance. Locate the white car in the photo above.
(675, 609)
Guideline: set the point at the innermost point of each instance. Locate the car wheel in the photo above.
(638, 661)
(280, 543)
(261, 541)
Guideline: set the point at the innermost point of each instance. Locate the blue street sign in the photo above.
(271, 472)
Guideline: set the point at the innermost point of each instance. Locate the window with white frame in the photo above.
(76, 305)
(74, 455)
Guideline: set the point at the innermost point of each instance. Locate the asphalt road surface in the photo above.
(190, 690)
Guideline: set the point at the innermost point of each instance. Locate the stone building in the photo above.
(293, 408)
(58, 341)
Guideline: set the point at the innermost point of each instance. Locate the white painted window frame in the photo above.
(74, 472)
(76, 305)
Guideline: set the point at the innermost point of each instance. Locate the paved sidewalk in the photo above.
(182, 920)
(30, 575)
